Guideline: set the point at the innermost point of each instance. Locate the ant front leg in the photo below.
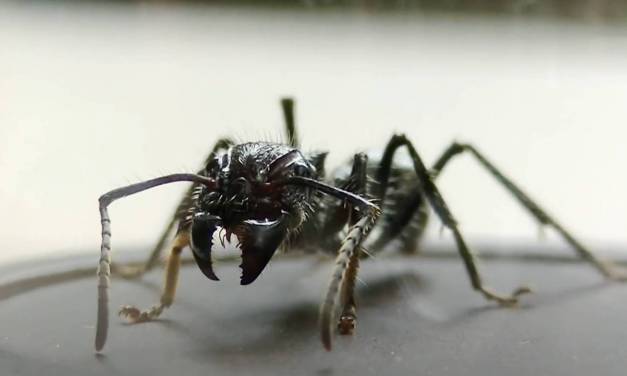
(348, 318)
(347, 261)
(357, 184)
(440, 208)
(136, 315)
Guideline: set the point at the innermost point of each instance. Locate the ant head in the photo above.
(253, 202)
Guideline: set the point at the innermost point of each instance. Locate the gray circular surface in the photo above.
(416, 317)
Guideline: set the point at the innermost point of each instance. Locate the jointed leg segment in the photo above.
(534, 209)
(169, 290)
(348, 317)
(442, 211)
(347, 263)
(348, 251)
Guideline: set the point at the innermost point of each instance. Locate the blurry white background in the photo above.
(92, 98)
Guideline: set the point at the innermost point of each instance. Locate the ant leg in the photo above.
(440, 208)
(356, 184)
(405, 213)
(348, 318)
(348, 251)
(347, 263)
(182, 208)
(287, 104)
(413, 231)
(404, 216)
(134, 314)
(366, 215)
(534, 209)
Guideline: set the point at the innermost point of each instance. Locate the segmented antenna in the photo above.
(104, 264)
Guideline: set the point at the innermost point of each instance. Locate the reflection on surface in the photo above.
(415, 315)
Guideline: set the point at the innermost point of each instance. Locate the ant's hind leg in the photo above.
(607, 269)
(441, 209)
(136, 315)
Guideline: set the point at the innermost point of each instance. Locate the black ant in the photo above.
(271, 195)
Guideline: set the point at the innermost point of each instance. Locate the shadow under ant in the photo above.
(292, 328)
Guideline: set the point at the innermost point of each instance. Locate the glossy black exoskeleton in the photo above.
(247, 204)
